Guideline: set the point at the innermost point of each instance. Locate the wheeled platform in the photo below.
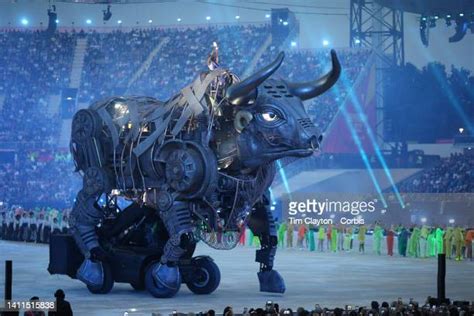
(133, 265)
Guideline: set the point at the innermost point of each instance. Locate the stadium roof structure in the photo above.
(431, 7)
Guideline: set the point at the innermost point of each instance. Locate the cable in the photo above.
(266, 10)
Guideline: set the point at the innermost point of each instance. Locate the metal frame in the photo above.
(380, 29)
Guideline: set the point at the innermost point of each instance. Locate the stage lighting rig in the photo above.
(52, 19)
(424, 31)
(107, 14)
(448, 20)
(462, 25)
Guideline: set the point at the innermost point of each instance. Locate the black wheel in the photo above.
(156, 289)
(206, 277)
(108, 281)
(138, 286)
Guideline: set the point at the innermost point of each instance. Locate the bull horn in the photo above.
(243, 91)
(311, 89)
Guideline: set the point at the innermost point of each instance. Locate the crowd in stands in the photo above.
(33, 65)
(39, 178)
(454, 174)
(396, 308)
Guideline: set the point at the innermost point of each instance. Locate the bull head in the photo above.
(269, 117)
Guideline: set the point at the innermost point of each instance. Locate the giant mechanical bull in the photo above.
(198, 164)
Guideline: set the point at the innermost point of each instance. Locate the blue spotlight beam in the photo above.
(284, 178)
(360, 112)
(356, 139)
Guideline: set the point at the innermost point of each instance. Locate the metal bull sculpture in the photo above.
(199, 166)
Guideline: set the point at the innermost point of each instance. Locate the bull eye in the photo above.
(270, 116)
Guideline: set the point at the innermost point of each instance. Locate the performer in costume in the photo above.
(361, 237)
(468, 242)
(378, 236)
(17, 224)
(33, 227)
(448, 242)
(289, 234)
(458, 240)
(328, 235)
(439, 240)
(250, 238)
(40, 223)
(3, 224)
(390, 239)
(333, 239)
(340, 238)
(65, 221)
(281, 234)
(301, 235)
(432, 242)
(321, 235)
(424, 241)
(414, 242)
(47, 226)
(348, 238)
(10, 225)
(310, 234)
(55, 226)
(402, 241)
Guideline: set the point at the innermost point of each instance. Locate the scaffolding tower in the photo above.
(380, 29)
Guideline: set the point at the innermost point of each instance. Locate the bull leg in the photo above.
(83, 221)
(262, 224)
(177, 220)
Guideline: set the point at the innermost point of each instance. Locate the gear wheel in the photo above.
(184, 170)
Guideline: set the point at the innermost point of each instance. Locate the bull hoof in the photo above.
(271, 281)
(91, 273)
(162, 280)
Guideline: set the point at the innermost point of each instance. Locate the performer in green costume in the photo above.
(290, 229)
(310, 234)
(347, 239)
(378, 236)
(432, 243)
(424, 241)
(414, 243)
(333, 239)
(281, 235)
(361, 237)
(448, 242)
(250, 238)
(321, 236)
(439, 240)
(458, 240)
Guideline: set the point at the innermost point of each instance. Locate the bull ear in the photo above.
(311, 89)
(243, 91)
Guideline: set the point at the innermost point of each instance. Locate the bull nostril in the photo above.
(314, 142)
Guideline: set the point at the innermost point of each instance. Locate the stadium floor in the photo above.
(327, 279)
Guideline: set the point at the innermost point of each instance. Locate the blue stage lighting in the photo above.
(88, 21)
(24, 21)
